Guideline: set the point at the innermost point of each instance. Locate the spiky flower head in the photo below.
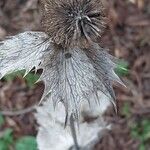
(73, 22)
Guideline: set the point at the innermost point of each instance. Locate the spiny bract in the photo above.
(73, 74)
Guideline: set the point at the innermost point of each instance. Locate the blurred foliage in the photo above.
(12, 76)
(26, 143)
(1, 120)
(122, 68)
(7, 141)
(126, 110)
(30, 78)
(141, 131)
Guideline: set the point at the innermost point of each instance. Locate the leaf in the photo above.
(6, 140)
(31, 78)
(104, 65)
(68, 80)
(23, 51)
(7, 136)
(142, 146)
(59, 138)
(146, 129)
(13, 75)
(26, 143)
(3, 145)
(1, 120)
(141, 130)
(126, 110)
(71, 76)
(122, 68)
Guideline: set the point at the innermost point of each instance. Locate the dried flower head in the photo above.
(70, 22)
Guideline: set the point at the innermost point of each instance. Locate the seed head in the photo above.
(73, 22)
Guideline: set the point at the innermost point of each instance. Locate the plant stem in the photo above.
(73, 131)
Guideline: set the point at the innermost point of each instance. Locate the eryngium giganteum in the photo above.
(75, 67)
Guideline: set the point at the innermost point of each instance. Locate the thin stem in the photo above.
(73, 131)
(18, 112)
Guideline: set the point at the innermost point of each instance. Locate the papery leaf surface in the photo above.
(23, 51)
(71, 76)
(60, 138)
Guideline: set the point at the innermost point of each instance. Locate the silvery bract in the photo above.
(77, 72)
(59, 138)
(67, 80)
(71, 78)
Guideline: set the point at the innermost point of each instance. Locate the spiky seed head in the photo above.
(71, 22)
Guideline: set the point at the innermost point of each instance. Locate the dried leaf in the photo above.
(23, 51)
(71, 76)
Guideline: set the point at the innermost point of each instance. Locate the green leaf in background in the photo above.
(7, 136)
(142, 147)
(122, 68)
(2, 121)
(11, 76)
(126, 110)
(6, 139)
(26, 143)
(3, 145)
(146, 129)
(141, 131)
(30, 78)
(135, 131)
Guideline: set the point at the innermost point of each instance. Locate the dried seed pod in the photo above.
(73, 22)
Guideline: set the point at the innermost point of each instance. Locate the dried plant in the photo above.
(75, 67)
(59, 138)
(71, 74)
(73, 22)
